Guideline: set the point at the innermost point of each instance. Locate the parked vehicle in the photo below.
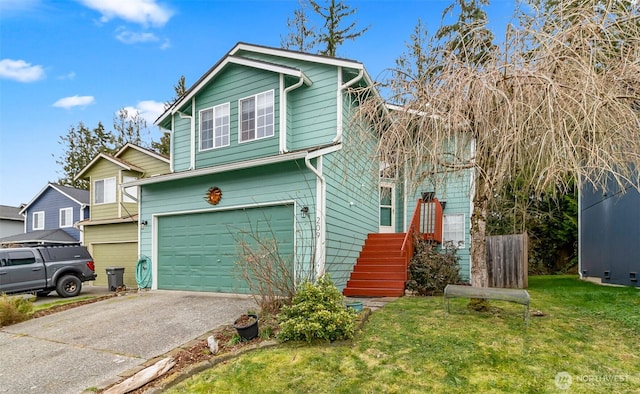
(42, 269)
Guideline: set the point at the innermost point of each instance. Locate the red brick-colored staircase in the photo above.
(380, 270)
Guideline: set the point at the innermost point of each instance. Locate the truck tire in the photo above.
(68, 286)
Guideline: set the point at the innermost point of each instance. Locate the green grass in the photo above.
(590, 332)
(49, 305)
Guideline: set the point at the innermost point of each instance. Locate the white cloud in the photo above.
(74, 101)
(69, 75)
(148, 109)
(129, 37)
(166, 44)
(20, 71)
(144, 12)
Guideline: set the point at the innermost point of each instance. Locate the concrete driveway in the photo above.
(91, 345)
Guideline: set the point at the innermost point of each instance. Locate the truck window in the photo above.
(21, 258)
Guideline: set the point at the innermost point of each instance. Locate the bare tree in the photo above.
(559, 101)
(301, 36)
(305, 37)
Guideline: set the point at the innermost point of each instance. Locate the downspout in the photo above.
(171, 142)
(341, 88)
(283, 111)
(320, 216)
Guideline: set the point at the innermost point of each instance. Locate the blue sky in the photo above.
(63, 62)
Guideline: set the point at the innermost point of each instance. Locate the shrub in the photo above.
(14, 310)
(317, 312)
(430, 269)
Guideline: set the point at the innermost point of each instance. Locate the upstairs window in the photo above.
(104, 191)
(38, 220)
(66, 217)
(214, 127)
(130, 194)
(256, 117)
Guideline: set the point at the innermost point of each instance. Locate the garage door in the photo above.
(198, 251)
(116, 255)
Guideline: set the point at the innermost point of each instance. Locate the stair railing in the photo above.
(427, 223)
(407, 243)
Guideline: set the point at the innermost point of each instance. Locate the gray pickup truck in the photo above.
(42, 269)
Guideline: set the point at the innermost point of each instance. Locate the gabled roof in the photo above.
(119, 162)
(10, 213)
(79, 196)
(234, 57)
(122, 163)
(56, 236)
(146, 151)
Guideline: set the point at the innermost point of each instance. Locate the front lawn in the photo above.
(587, 341)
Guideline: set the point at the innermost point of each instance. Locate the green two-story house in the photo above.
(264, 143)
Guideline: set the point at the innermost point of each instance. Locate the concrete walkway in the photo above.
(92, 345)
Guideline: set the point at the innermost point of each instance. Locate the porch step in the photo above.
(380, 269)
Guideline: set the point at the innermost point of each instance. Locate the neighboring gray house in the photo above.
(11, 222)
(50, 216)
(609, 235)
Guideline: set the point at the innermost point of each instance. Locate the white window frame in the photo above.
(35, 221)
(106, 198)
(132, 190)
(220, 127)
(256, 127)
(453, 229)
(66, 217)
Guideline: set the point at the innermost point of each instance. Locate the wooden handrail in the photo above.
(407, 243)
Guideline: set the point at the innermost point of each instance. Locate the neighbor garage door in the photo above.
(116, 255)
(198, 251)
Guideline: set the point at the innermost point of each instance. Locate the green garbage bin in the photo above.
(115, 278)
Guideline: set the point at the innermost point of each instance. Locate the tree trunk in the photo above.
(479, 271)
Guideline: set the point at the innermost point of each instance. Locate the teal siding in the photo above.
(231, 85)
(352, 202)
(181, 144)
(270, 184)
(455, 191)
(198, 251)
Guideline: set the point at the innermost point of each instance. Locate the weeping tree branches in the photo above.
(559, 101)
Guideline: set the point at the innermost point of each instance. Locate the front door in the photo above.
(387, 198)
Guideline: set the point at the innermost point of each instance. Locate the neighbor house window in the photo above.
(104, 191)
(38, 220)
(256, 117)
(66, 217)
(214, 127)
(129, 191)
(453, 229)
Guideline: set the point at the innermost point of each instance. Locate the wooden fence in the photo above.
(507, 260)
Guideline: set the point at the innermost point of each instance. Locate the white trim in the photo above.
(214, 110)
(391, 228)
(255, 119)
(230, 59)
(115, 192)
(24, 209)
(114, 160)
(321, 217)
(156, 216)
(140, 149)
(33, 220)
(60, 216)
(221, 168)
(295, 55)
(462, 244)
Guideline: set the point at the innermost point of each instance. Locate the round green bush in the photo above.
(317, 312)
